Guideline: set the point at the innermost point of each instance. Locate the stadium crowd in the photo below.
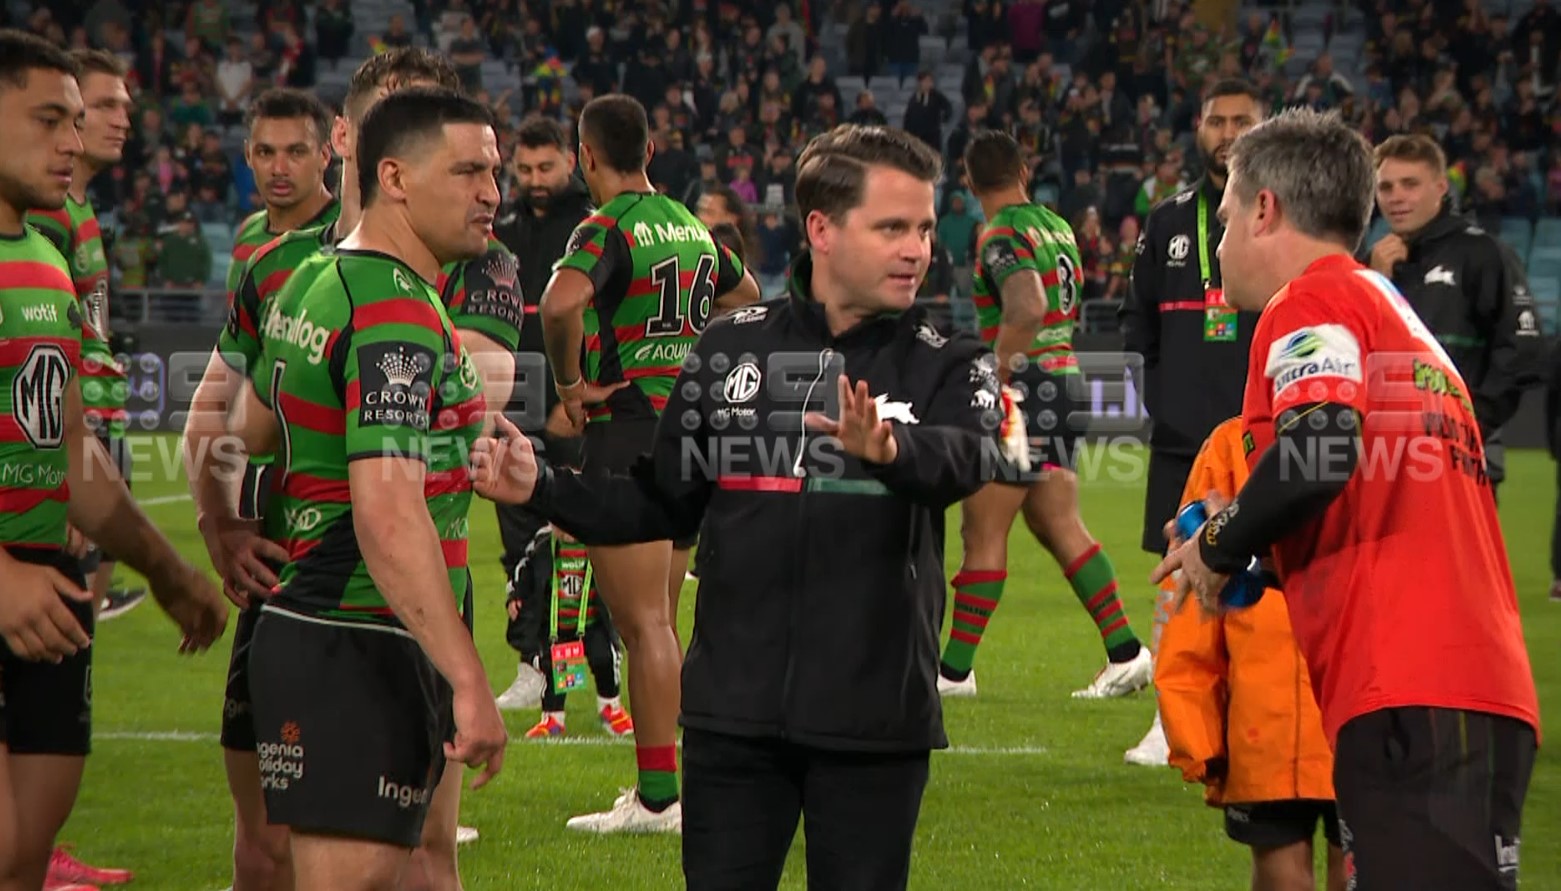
(1102, 97)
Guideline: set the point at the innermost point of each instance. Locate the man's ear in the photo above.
(820, 230)
(341, 142)
(392, 175)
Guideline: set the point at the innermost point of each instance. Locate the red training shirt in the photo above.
(1400, 593)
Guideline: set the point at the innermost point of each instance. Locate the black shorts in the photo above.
(1432, 798)
(1053, 424)
(1278, 824)
(46, 708)
(238, 718)
(611, 448)
(1163, 497)
(350, 726)
(119, 453)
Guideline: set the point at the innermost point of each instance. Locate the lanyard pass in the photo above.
(1219, 319)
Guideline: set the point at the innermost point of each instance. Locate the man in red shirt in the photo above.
(1369, 492)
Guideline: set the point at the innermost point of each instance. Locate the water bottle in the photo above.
(1245, 587)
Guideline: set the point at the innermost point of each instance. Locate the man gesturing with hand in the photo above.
(838, 413)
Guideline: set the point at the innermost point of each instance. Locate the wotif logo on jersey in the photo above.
(300, 332)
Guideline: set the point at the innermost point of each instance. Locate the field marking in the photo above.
(588, 741)
(163, 499)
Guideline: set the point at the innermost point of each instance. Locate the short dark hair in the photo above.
(616, 128)
(286, 103)
(1233, 86)
(832, 171)
(992, 161)
(537, 131)
(21, 53)
(393, 69)
(735, 205)
(404, 118)
(98, 61)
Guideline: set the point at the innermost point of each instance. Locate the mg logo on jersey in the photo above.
(38, 396)
(666, 353)
(742, 384)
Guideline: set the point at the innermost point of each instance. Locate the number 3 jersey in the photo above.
(657, 271)
(1400, 593)
(1030, 237)
(40, 349)
(361, 361)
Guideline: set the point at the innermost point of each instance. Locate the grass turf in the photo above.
(1034, 793)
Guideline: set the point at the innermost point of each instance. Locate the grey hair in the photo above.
(1319, 168)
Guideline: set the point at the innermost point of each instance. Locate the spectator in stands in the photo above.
(208, 23)
(957, 229)
(184, 264)
(785, 27)
(743, 184)
(805, 99)
(1120, 269)
(396, 34)
(864, 44)
(928, 112)
(1094, 251)
(467, 53)
(775, 243)
(902, 40)
(1167, 181)
(235, 83)
(780, 180)
(333, 30)
(976, 116)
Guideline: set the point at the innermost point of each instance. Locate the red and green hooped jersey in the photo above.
(74, 231)
(41, 339)
(361, 361)
(657, 272)
(572, 582)
(483, 295)
(255, 233)
(1029, 236)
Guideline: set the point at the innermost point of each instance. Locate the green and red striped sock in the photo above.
(658, 775)
(976, 594)
(1094, 583)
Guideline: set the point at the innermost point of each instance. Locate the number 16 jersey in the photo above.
(657, 271)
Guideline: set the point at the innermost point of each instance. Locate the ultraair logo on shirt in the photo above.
(300, 332)
(1314, 352)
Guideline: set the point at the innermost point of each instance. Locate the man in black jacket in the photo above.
(1194, 347)
(824, 436)
(1467, 286)
(551, 203)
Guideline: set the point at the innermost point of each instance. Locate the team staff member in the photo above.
(811, 681)
(552, 202)
(1194, 346)
(1466, 285)
(1398, 585)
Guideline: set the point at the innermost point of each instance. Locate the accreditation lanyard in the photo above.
(569, 664)
(1219, 319)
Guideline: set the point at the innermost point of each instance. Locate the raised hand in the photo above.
(860, 431)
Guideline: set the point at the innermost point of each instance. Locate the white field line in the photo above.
(186, 736)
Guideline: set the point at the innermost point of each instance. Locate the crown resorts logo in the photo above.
(399, 368)
(503, 270)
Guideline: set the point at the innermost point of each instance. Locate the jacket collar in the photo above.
(569, 202)
(810, 312)
(1446, 222)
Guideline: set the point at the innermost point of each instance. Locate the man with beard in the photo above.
(1193, 345)
(288, 148)
(551, 202)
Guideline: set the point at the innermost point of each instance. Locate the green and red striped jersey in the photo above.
(1030, 236)
(360, 360)
(74, 231)
(255, 233)
(657, 272)
(572, 582)
(40, 348)
(483, 295)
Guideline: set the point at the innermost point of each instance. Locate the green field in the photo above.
(1034, 793)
